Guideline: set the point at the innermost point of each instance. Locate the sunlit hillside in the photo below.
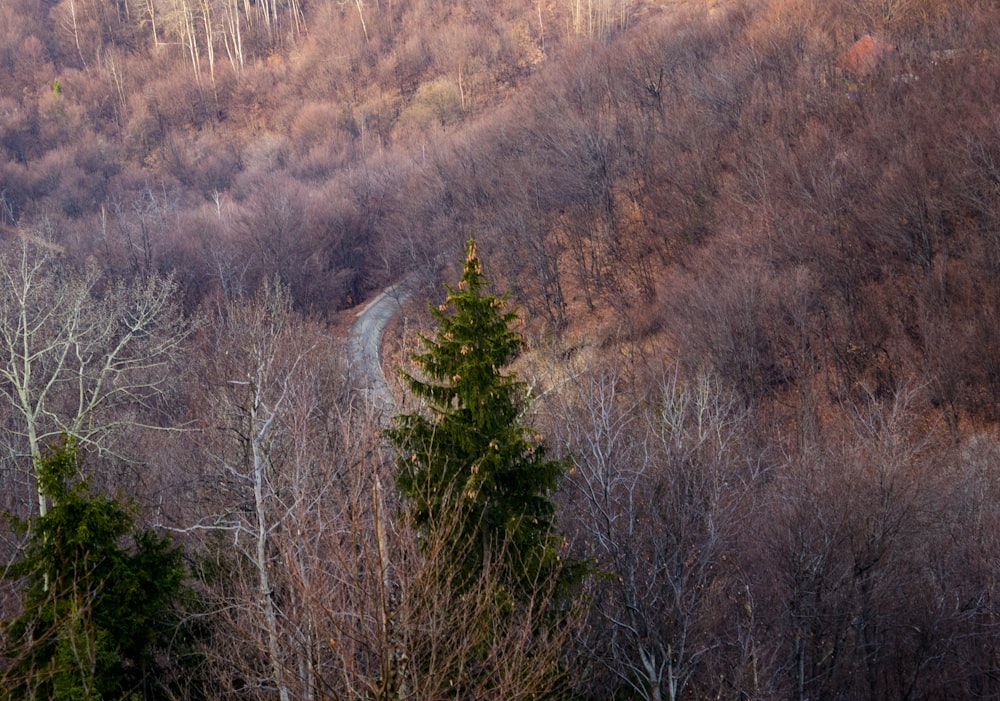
(753, 248)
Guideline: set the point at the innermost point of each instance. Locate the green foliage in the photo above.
(478, 485)
(469, 465)
(95, 613)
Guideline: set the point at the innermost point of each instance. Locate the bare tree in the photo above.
(250, 380)
(872, 545)
(659, 488)
(307, 595)
(324, 591)
(81, 355)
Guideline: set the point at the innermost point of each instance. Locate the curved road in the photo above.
(365, 343)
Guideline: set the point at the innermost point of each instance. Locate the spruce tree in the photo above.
(468, 464)
(96, 614)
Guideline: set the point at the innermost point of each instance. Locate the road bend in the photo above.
(365, 345)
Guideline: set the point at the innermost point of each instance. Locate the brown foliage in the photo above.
(709, 187)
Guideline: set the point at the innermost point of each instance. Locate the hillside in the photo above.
(338, 149)
(754, 246)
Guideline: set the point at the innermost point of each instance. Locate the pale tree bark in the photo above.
(656, 493)
(292, 475)
(261, 420)
(249, 403)
(600, 18)
(189, 37)
(149, 9)
(114, 66)
(359, 5)
(232, 34)
(180, 22)
(77, 357)
(206, 20)
(76, 31)
(327, 593)
(298, 18)
(300, 460)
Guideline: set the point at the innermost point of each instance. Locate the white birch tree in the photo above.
(296, 463)
(79, 354)
(249, 387)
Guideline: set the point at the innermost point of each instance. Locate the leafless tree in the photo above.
(325, 590)
(251, 376)
(81, 355)
(659, 489)
(860, 531)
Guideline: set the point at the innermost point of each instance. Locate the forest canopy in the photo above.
(754, 246)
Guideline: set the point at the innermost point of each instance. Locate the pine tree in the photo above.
(95, 613)
(468, 463)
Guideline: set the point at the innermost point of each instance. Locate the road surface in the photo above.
(365, 343)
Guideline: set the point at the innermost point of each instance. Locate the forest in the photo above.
(738, 260)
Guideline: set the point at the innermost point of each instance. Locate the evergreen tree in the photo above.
(95, 614)
(468, 464)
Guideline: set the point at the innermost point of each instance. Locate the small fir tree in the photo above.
(95, 614)
(468, 464)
